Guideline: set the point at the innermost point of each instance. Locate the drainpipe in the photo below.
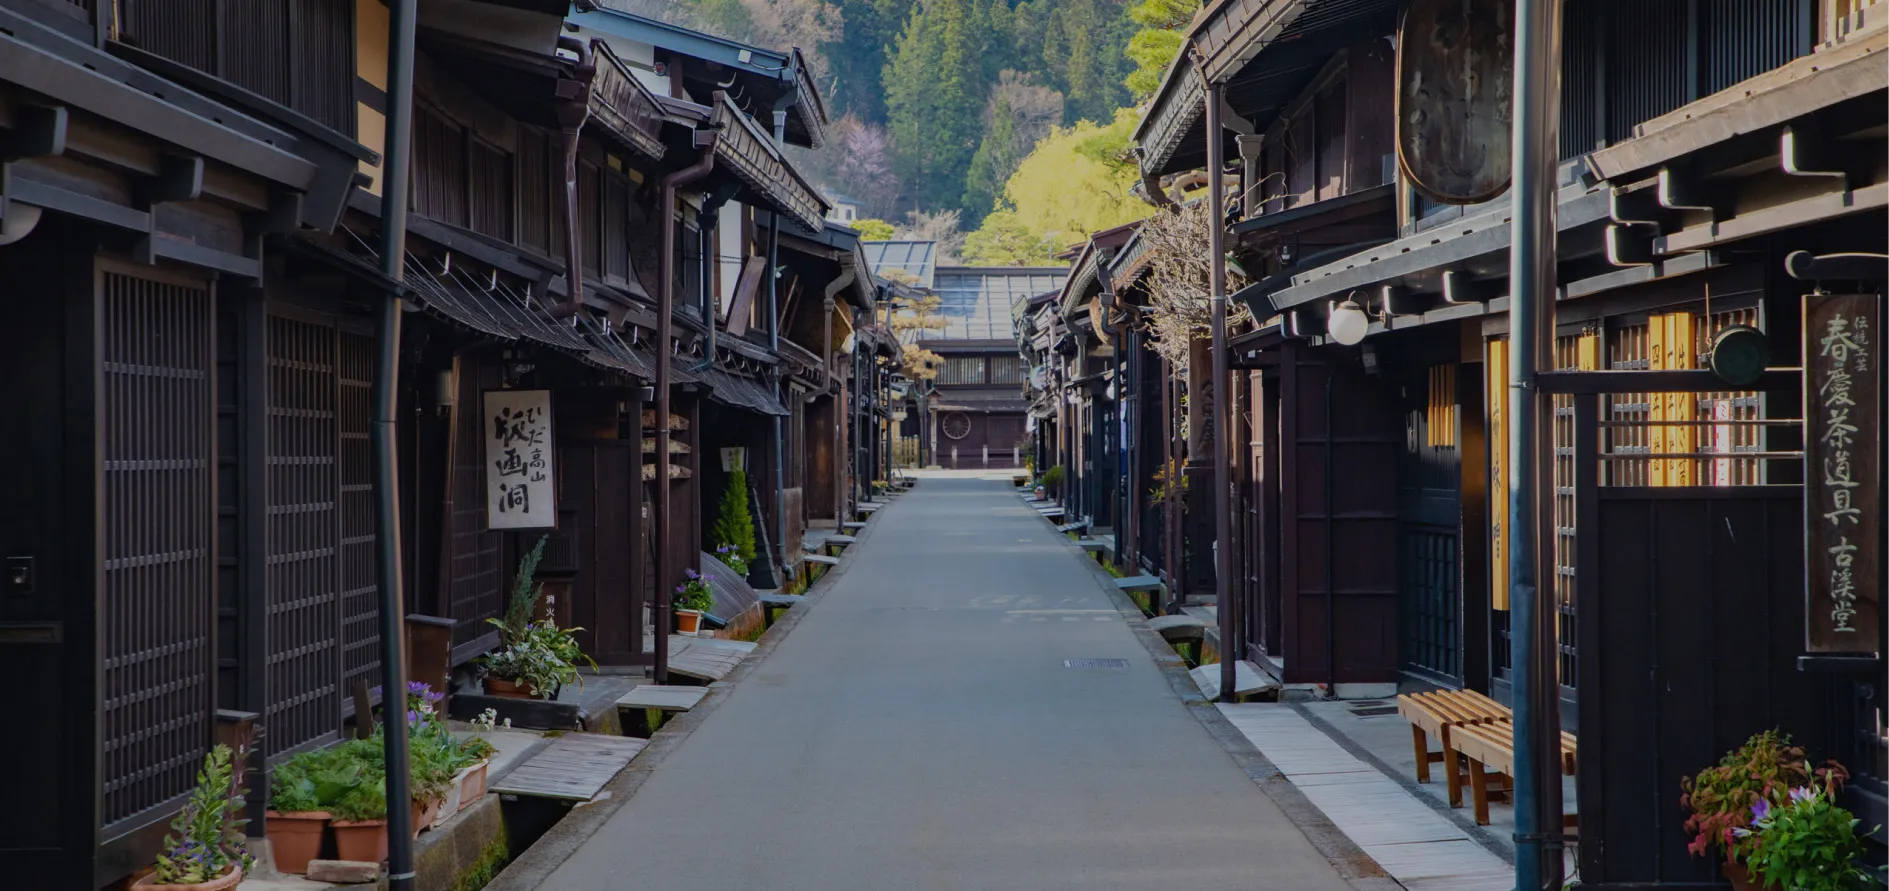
(774, 344)
(573, 109)
(395, 177)
(1331, 543)
(1538, 837)
(1222, 401)
(665, 332)
(826, 383)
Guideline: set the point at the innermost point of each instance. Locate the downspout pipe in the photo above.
(1532, 265)
(709, 220)
(1331, 545)
(396, 174)
(665, 334)
(1222, 401)
(772, 272)
(573, 109)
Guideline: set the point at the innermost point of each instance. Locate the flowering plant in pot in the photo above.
(205, 850)
(1806, 843)
(535, 657)
(691, 601)
(1726, 799)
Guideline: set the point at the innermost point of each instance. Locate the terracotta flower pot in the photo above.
(509, 689)
(688, 621)
(424, 815)
(1740, 876)
(472, 784)
(227, 880)
(295, 838)
(450, 806)
(361, 840)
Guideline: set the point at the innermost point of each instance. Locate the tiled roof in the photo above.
(977, 300)
(917, 259)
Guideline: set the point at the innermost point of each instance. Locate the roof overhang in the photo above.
(751, 155)
(1264, 52)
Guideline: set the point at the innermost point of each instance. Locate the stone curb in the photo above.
(1353, 865)
(532, 869)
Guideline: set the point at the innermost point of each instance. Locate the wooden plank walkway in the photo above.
(574, 767)
(1247, 679)
(1419, 847)
(662, 696)
(705, 658)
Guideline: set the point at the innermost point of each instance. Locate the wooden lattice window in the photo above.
(157, 415)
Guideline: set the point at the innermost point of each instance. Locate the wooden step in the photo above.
(574, 767)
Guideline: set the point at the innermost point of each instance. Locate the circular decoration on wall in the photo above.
(957, 425)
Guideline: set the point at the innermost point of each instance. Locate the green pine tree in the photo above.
(734, 525)
(934, 90)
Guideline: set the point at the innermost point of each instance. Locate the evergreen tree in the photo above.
(734, 526)
(933, 90)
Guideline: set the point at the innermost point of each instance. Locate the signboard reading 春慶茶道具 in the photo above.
(520, 484)
(1842, 435)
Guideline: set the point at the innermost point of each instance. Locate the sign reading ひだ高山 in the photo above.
(1842, 509)
(520, 485)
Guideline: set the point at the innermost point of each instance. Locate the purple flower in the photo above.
(1802, 794)
(1760, 810)
(413, 717)
(691, 574)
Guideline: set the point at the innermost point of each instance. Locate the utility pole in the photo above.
(1222, 475)
(1536, 154)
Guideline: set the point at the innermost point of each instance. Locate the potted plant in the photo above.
(434, 756)
(1725, 800)
(205, 850)
(1806, 843)
(692, 600)
(360, 823)
(472, 777)
(295, 822)
(535, 657)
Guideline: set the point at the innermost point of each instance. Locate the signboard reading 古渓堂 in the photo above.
(520, 485)
(1842, 510)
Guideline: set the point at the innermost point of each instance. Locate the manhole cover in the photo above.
(1095, 663)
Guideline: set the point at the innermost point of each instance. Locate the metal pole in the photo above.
(1222, 478)
(395, 174)
(1536, 151)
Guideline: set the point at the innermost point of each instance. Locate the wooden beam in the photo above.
(1580, 383)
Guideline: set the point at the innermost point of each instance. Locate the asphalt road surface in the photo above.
(918, 729)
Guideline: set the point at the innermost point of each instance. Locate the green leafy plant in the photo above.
(367, 801)
(1159, 492)
(534, 653)
(1805, 843)
(290, 789)
(1722, 798)
(693, 593)
(730, 556)
(207, 839)
(1052, 479)
(734, 526)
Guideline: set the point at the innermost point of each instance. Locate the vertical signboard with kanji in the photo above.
(520, 485)
(1842, 509)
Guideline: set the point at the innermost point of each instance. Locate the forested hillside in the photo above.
(937, 105)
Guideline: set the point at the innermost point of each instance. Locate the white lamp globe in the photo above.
(1348, 323)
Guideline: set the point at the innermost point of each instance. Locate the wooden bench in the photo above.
(705, 659)
(772, 604)
(854, 525)
(1446, 714)
(1079, 526)
(835, 543)
(821, 560)
(663, 699)
(1139, 583)
(1490, 748)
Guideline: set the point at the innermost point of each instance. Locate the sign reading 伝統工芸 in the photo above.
(520, 484)
(1842, 510)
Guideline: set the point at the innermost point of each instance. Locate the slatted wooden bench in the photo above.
(1435, 714)
(772, 604)
(1490, 748)
(705, 659)
(1445, 714)
(663, 699)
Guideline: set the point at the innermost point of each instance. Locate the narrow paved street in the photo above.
(919, 729)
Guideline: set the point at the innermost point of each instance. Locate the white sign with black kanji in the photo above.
(520, 484)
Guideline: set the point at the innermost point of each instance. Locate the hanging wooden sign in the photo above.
(520, 482)
(1455, 75)
(1842, 476)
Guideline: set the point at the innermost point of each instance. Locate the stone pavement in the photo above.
(922, 727)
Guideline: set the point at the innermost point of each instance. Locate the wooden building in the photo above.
(189, 217)
(1703, 145)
